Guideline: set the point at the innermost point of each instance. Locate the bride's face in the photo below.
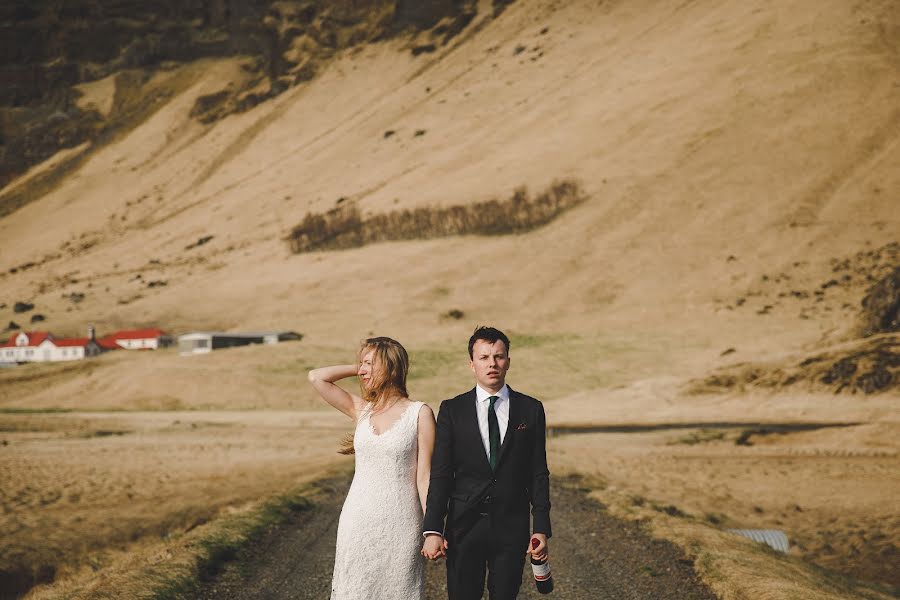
(366, 370)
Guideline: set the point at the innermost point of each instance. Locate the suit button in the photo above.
(494, 480)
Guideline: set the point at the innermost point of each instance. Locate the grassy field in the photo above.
(274, 377)
(94, 477)
(82, 489)
(829, 490)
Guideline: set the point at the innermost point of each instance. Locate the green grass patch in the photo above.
(425, 364)
(698, 437)
(546, 366)
(223, 543)
(518, 341)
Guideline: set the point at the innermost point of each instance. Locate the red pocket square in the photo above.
(521, 427)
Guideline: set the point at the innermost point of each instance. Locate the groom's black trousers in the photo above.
(477, 550)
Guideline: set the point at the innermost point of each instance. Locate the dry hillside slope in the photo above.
(716, 141)
(733, 168)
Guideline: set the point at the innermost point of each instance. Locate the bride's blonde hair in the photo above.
(390, 365)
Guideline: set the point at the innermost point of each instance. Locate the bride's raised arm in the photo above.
(324, 378)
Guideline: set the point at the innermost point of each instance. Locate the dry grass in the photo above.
(87, 474)
(736, 568)
(76, 488)
(172, 568)
(831, 490)
(345, 227)
(127, 381)
(80, 488)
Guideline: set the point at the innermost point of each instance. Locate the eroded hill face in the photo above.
(55, 56)
(719, 145)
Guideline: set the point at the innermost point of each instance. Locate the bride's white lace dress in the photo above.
(379, 533)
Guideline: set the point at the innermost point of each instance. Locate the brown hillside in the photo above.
(716, 142)
(733, 230)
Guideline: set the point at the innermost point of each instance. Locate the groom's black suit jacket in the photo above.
(462, 479)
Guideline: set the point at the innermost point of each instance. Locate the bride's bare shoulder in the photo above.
(425, 411)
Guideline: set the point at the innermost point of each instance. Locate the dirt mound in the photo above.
(869, 366)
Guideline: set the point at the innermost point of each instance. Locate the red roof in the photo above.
(34, 338)
(136, 334)
(71, 342)
(108, 343)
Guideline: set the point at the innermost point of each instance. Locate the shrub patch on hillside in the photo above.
(345, 227)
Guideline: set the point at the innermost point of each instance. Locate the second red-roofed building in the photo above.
(136, 339)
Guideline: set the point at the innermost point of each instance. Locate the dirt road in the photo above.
(594, 557)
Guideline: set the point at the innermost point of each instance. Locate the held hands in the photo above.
(542, 550)
(435, 547)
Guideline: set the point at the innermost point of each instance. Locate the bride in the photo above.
(379, 532)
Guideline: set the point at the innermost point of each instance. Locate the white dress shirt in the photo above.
(501, 407)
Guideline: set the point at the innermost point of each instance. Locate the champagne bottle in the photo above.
(543, 579)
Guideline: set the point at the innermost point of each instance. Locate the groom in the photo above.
(488, 469)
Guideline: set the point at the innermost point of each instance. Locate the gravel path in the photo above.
(594, 557)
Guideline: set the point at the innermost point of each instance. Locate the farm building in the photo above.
(41, 346)
(137, 339)
(206, 341)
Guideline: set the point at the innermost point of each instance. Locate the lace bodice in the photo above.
(382, 509)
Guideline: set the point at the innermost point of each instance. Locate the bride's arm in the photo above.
(323, 379)
(426, 431)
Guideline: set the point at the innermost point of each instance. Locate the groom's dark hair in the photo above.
(488, 334)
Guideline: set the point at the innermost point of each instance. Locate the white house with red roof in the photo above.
(137, 339)
(42, 346)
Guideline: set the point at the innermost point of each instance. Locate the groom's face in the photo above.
(490, 362)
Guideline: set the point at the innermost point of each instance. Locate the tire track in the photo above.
(594, 557)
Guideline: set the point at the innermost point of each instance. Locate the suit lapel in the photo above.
(515, 417)
(471, 421)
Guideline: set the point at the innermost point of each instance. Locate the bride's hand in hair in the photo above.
(323, 380)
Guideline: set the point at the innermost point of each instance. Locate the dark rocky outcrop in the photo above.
(868, 366)
(881, 306)
(20, 307)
